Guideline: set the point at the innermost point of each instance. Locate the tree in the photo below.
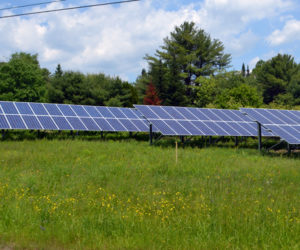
(206, 91)
(188, 53)
(275, 75)
(151, 97)
(243, 70)
(241, 96)
(22, 79)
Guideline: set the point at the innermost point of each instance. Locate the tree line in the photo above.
(189, 69)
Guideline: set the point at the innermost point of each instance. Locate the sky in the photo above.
(115, 39)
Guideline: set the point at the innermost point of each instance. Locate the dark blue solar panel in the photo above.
(222, 115)
(90, 124)
(286, 132)
(128, 125)
(241, 128)
(1, 112)
(31, 122)
(147, 112)
(47, 123)
(203, 128)
(295, 115)
(285, 117)
(216, 128)
(256, 116)
(92, 111)
(116, 112)
(116, 124)
(163, 127)
(211, 115)
(24, 108)
(141, 125)
(9, 108)
(52, 109)
(3, 122)
(186, 113)
(177, 127)
(79, 110)
(199, 114)
(235, 115)
(173, 113)
(15, 122)
(66, 110)
(105, 112)
(38, 108)
(130, 113)
(103, 124)
(226, 126)
(190, 127)
(62, 123)
(270, 116)
(76, 123)
(160, 112)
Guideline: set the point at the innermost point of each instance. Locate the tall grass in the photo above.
(96, 194)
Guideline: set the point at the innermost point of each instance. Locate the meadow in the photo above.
(80, 194)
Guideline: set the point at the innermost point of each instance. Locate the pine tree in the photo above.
(151, 97)
(248, 71)
(243, 70)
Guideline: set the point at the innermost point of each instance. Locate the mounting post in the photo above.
(289, 149)
(210, 140)
(150, 134)
(182, 139)
(259, 135)
(101, 134)
(130, 134)
(236, 140)
(3, 134)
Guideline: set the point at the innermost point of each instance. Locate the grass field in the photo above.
(127, 195)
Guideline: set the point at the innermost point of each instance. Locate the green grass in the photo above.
(127, 195)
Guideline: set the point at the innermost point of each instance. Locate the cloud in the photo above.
(289, 33)
(114, 39)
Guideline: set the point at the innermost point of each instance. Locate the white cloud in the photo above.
(114, 40)
(253, 62)
(289, 33)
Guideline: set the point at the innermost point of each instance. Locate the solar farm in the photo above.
(165, 120)
(123, 193)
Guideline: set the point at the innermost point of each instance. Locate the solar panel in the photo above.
(185, 121)
(283, 123)
(48, 116)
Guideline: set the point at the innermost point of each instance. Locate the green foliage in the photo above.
(188, 53)
(206, 91)
(126, 195)
(275, 75)
(92, 89)
(241, 96)
(22, 79)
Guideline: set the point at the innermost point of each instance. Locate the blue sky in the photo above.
(114, 39)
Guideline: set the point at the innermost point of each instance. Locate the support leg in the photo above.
(101, 134)
(259, 135)
(150, 134)
(236, 139)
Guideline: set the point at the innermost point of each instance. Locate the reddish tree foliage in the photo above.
(151, 97)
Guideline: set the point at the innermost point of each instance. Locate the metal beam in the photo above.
(259, 136)
(150, 134)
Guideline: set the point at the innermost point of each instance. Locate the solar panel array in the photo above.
(283, 123)
(185, 121)
(45, 116)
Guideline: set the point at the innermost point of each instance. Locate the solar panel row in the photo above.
(185, 121)
(45, 116)
(283, 123)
